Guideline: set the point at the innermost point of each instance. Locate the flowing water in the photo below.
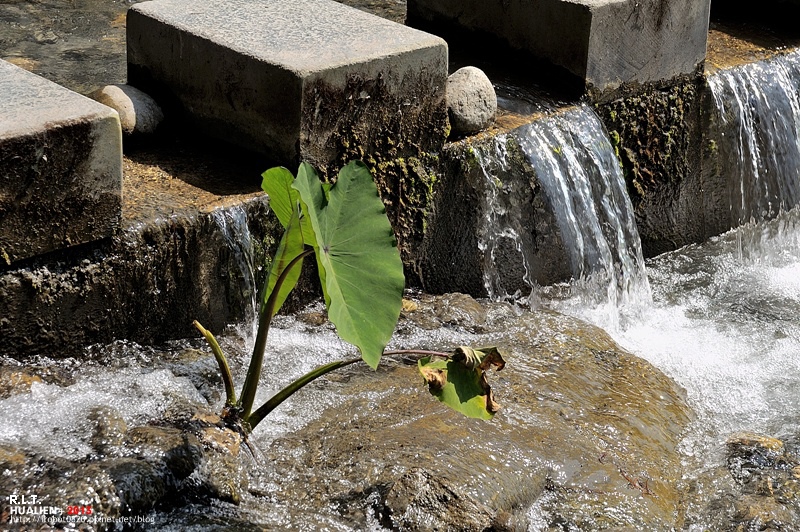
(723, 319)
(580, 175)
(724, 316)
(758, 120)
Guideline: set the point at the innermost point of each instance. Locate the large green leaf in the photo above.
(306, 173)
(358, 256)
(460, 381)
(285, 203)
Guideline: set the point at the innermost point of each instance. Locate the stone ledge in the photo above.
(61, 166)
(604, 42)
(293, 80)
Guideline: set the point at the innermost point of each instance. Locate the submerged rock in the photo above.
(758, 488)
(585, 440)
(191, 457)
(584, 427)
(108, 431)
(16, 380)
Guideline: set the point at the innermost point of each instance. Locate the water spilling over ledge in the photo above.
(759, 117)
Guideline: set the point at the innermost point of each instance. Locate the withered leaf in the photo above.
(467, 356)
(461, 382)
(435, 378)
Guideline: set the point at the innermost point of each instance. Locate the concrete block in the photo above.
(60, 166)
(604, 42)
(307, 79)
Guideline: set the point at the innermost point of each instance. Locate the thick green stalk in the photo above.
(227, 379)
(264, 410)
(264, 321)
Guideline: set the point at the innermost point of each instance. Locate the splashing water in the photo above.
(725, 317)
(580, 176)
(727, 328)
(501, 228)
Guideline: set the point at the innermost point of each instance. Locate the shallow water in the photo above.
(76, 43)
(725, 324)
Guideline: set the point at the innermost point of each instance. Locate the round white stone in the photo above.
(471, 101)
(138, 112)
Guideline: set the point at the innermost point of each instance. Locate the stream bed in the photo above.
(373, 451)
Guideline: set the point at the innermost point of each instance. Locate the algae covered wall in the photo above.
(147, 284)
(489, 217)
(491, 231)
(372, 118)
(657, 135)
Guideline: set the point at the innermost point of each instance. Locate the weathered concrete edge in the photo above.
(147, 284)
(285, 134)
(61, 155)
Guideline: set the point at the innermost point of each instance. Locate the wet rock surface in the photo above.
(133, 471)
(758, 488)
(584, 427)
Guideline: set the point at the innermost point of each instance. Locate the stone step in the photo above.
(60, 166)
(606, 43)
(306, 79)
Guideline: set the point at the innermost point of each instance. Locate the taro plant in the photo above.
(345, 227)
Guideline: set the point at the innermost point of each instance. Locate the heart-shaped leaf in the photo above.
(360, 267)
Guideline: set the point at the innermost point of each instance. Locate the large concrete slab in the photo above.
(605, 42)
(310, 79)
(60, 166)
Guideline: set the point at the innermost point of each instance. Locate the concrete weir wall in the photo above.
(309, 80)
(318, 81)
(146, 284)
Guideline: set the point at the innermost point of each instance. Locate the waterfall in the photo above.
(758, 116)
(500, 230)
(232, 223)
(580, 176)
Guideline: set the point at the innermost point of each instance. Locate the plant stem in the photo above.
(264, 410)
(418, 352)
(227, 379)
(264, 321)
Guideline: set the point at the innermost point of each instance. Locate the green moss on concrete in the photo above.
(656, 134)
(400, 147)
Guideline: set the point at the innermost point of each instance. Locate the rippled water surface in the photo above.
(725, 324)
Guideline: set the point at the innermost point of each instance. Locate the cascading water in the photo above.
(726, 322)
(501, 228)
(580, 175)
(725, 318)
(233, 226)
(758, 117)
